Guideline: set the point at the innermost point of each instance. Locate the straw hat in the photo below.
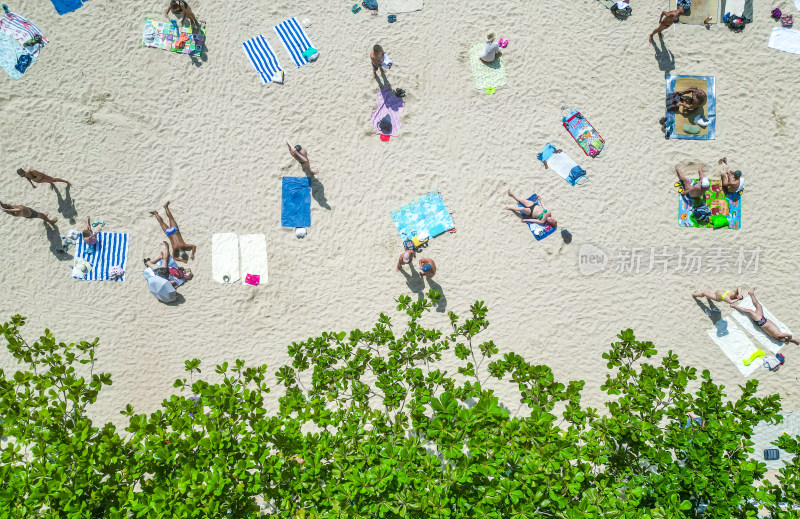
(490, 36)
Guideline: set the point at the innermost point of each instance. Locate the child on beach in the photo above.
(89, 236)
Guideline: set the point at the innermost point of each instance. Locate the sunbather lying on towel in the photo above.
(694, 191)
(31, 175)
(762, 322)
(732, 181)
(728, 296)
(301, 155)
(180, 7)
(165, 271)
(689, 100)
(25, 212)
(174, 235)
(536, 212)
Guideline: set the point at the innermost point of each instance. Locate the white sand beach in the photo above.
(133, 127)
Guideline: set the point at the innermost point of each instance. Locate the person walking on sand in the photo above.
(31, 175)
(181, 7)
(491, 50)
(698, 190)
(762, 322)
(729, 296)
(427, 268)
(667, 19)
(174, 234)
(535, 211)
(405, 258)
(376, 57)
(732, 181)
(301, 155)
(25, 212)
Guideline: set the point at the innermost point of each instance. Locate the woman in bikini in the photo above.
(31, 175)
(535, 211)
(25, 212)
(762, 322)
(729, 296)
(180, 7)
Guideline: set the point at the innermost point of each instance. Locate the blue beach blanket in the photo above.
(294, 39)
(263, 58)
(110, 250)
(538, 230)
(296, 202)
(675, 121)
(66, 6)
(563, 165)
(426, 216)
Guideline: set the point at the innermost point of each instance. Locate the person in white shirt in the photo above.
(732, 181)
(492, 49)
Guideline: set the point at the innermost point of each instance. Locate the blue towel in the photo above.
(111, 250)
(711, 106)
(294, 39)
(296, 202)
(426, 214)
(66, 6)
(262, 57)
(539, 231)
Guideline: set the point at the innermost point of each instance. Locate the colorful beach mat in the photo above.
(294, 39)
(425, 217)
(388, 104)
(111, 250)
(538, 230)
(583, 132)
(261, 55)
(15, 57)
(676, 121)
(487, 76)
(719, 201)
(163, 35)
(700, 10)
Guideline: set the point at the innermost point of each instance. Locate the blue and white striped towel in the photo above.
(262, 57)
(294, 39)
(111, 250)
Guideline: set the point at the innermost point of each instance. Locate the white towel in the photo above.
(787, 40)
(735, 344)
(760, 335)
(562, 164)
(735, 7)
(225, 257)
(797, 4)
(253, 251)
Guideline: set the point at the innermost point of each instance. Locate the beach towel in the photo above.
(486, 75)
(22, 30)
(66, 6)
(583, 132)
(162, 35)
(743, 8)
(253, 253)
(399, 6)
(296, 202)
(563, 165)
(263, 58)
(391, 105)
(700, 10)
(111, 250)
(735, 344)
(718, 200)
(787, 40)
(538, 230)
(676, 121)
(10, 52)
(172, 264)
(426, 217)
(767, 342)
(764, 434)
(294, 39)
(225, 258)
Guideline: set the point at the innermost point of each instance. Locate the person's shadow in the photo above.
(383, 85)
(66, 205)
(664, 57)
(441, 304)
(414, 281)
(198, 62)
(57, 243)
(715, 314)
(318, 191)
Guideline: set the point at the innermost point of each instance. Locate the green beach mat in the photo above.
(162, 35)
(720, 202)
(487, 76)
(700, 10)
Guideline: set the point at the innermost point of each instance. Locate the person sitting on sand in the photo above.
(31, 175)
(667, 19)
(697, 191)
(165, 271)
(89, 236)
(181, 7)
(301, 155)
(405, 258)
(491, 50)
(427, 268)
(696, 99)
(732, 181)
(174, 234)
(722, 297)
(25, 212)
(762, 322)
(536, 211)
(376, 57)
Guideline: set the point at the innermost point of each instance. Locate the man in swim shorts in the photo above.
(762, 322)
(732, 181)
(698, 190)
(728, 296)
(31, 175)
(25, 212)
(376, 57)
(427, 268)
(174, 234)
(667, 19)
(405, 258)
(301, 155)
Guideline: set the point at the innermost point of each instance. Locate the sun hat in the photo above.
(490, 35)
(705, 182)
(426, 267)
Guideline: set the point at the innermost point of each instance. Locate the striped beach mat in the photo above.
(22, 30)
(294, 39)
(263, 58)
(111, 250)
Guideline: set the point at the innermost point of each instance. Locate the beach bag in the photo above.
(701, 213)
(736, 23)
(372, 5)
(252, 279)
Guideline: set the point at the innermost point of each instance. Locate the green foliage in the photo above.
(371, 424)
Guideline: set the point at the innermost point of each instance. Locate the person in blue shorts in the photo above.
(174, 234)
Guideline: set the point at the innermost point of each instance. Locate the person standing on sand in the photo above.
(666, 20)
(181, 7)
(427, 268)
(301, 155)
(694, 191)
(25, 212)
(762, 322)
(729, 296)
(376, 57)
(31, 175)
(732, 181)
(405, 258)
(174, 235)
